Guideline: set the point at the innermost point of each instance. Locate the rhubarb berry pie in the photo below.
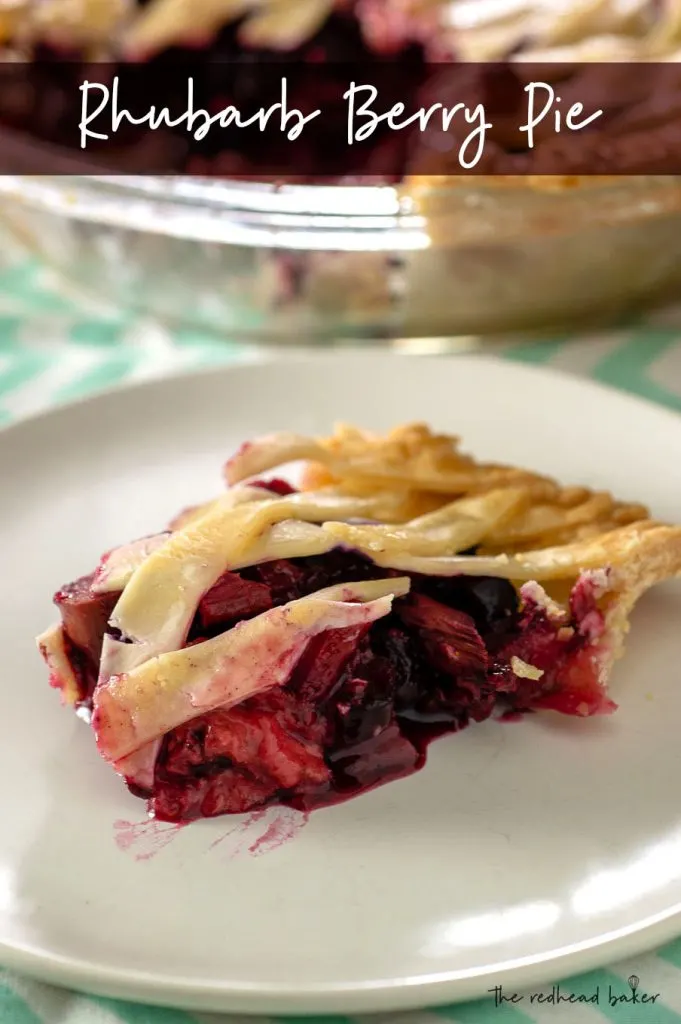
(299, 645)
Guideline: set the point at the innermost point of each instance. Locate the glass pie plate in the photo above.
(314, 264)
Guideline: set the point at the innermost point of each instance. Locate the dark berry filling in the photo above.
(277, 486)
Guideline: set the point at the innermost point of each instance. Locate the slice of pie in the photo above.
(302, 645)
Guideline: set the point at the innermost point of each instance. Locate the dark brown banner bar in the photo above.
(308, 121)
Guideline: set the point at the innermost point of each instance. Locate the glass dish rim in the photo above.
(344, 217)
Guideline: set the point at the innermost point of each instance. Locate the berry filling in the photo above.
(363, 702)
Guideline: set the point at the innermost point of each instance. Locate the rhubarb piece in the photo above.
(323, 661)
(85, 614)
(233, 598)
(454, 644)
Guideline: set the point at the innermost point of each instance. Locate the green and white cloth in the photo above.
(56, 346)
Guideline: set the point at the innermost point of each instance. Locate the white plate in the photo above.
(522, 852)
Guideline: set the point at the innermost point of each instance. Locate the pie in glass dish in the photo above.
(234, 50)
(300, 645)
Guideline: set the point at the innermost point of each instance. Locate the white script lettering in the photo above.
(550, 106)
(198, 122)
(423, 116)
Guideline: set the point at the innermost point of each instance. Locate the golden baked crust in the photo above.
(427, 477)
(524, 526)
